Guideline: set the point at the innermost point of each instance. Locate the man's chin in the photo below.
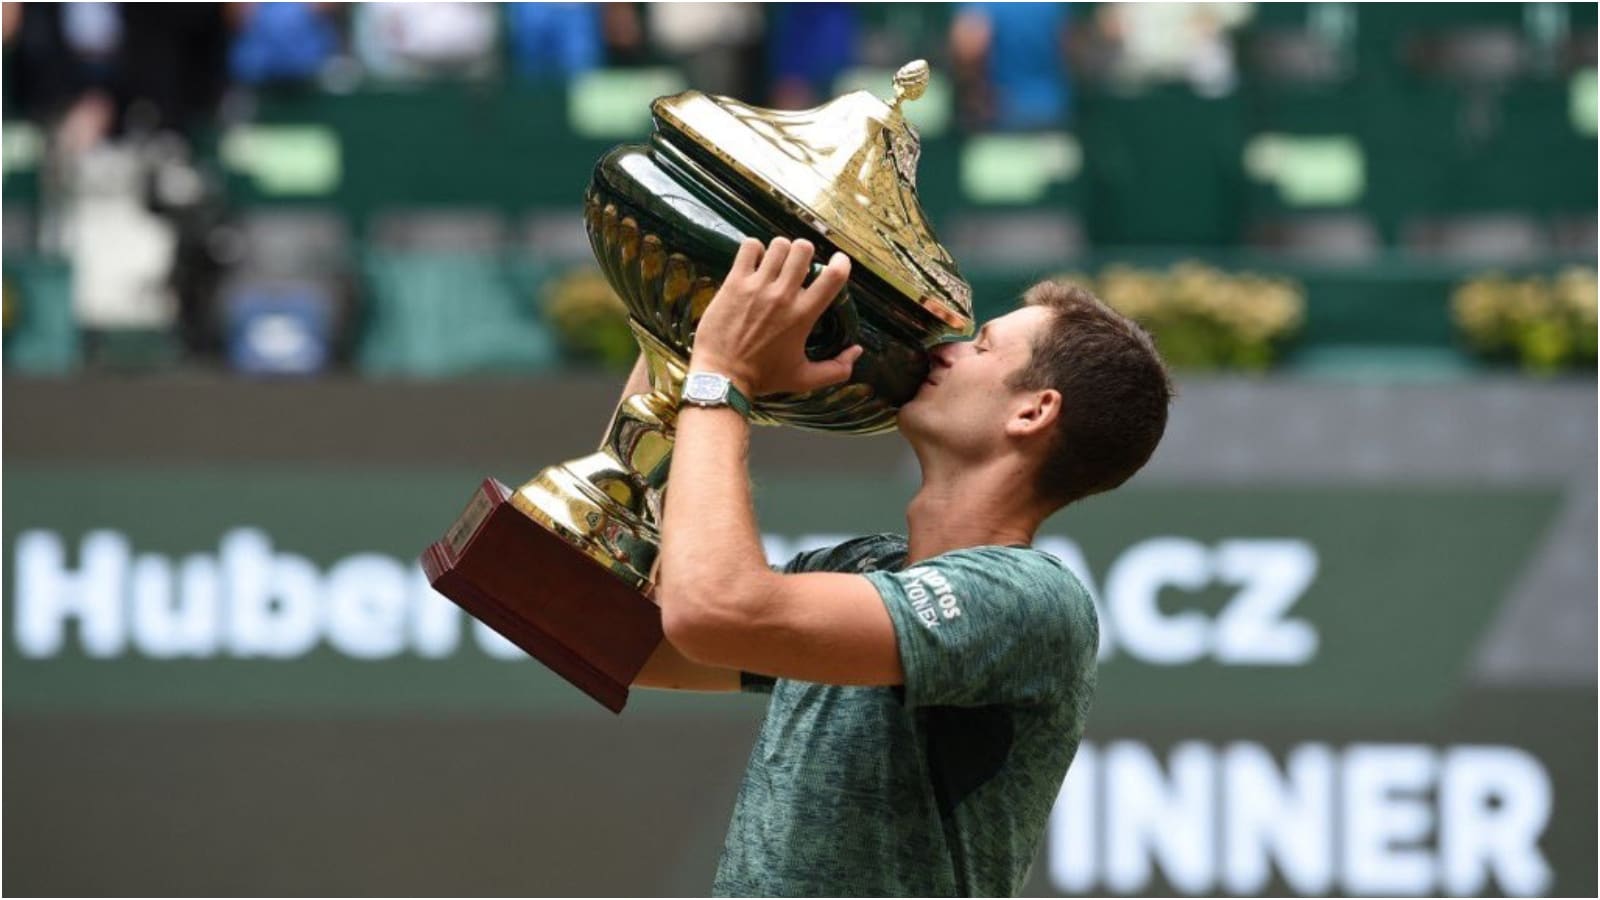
(910, 417)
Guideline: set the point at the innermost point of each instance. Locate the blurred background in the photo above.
(282, 282)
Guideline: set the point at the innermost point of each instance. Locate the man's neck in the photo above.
(968, 508)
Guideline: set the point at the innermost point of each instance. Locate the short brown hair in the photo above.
(1114, 388)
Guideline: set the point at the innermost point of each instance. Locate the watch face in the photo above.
(705, 387)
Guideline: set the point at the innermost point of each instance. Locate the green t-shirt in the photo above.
(942, 786)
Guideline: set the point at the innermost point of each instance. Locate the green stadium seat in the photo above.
(41, 335)
(1138, 191)
(436, 314)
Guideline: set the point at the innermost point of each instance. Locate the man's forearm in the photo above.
(710, 545)
(714, 586)
(667, 668)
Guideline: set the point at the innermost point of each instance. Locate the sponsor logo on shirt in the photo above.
(931, 595)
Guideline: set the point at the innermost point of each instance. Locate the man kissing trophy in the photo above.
(563, 565)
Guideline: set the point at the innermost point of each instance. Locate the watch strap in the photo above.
(738, 400)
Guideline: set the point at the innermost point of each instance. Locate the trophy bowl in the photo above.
(563, 566)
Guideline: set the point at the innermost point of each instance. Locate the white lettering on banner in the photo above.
(49, 596)
(1493, 803)
(1387, 816)
(367, 606)
(173, 621)
(1253, 627)
(247, 601)
(1370, 819)
(1160, 820)
(1270, 816)
(1132, 587)
(251, 600)
(1272, 574)
(274, 598)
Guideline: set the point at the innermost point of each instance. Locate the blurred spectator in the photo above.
(419, 41)
(280, 43)
(91, 68)
(1166, 42)
(1008, 60)
(128, 290)
(172, 68)
(554, 40)
(59, 68)
(93, 32)
(812, 43)
(718, 44)
(623, 33)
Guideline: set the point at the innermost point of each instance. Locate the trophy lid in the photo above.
(847, 169)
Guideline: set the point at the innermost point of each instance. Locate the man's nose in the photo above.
(944, 354)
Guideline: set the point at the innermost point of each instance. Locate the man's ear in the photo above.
(1038, 414)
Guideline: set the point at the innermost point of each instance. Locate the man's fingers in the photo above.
(795, 267)
(744, 262)
(824, 373)
(827, 285)
(772, 261)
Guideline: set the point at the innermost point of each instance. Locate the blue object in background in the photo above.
(279, 329)
(554, 40)
(1025, 64)
(814, 42)
(281, 42)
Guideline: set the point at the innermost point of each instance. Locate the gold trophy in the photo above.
(563, 565)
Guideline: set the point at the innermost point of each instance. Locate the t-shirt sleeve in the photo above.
(987, 625)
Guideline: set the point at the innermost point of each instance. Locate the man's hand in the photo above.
(755, 329)
(721, 606)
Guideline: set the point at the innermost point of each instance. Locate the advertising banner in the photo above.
(1287, 698)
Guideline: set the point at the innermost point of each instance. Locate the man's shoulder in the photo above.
(867, 553)
(1017, 569)
(1008, 562)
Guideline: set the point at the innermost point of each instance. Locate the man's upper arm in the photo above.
(972, 627)
(822, 627)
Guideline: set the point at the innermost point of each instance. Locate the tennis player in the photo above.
(928, 692)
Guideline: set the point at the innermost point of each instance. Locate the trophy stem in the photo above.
(564, 566)
(608, 505)
(640, 438)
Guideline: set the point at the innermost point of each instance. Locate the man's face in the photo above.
(964, 404)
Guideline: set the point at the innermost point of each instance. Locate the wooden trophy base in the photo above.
(546, 596)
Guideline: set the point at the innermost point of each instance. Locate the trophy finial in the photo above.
(910, 81)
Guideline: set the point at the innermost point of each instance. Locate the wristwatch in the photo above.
(709, 389)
